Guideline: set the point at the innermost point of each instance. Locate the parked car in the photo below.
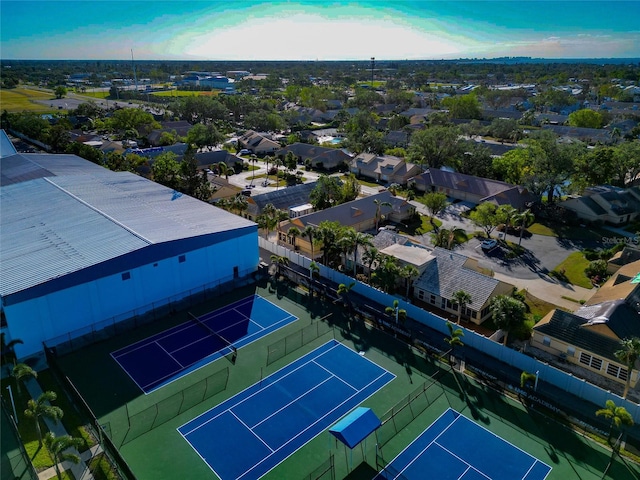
(489, 244)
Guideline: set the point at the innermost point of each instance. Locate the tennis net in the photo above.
(228, 345)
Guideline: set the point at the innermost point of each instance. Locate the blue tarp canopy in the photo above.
(355, 427)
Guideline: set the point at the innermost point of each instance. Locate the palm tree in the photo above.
(293, 233)
(253, 159)
(507, 214)
(359, 240)
(57, 447)
(22, 371)
(346, 242)
(400, 314)
(508, 313)
(7, 350)
(446, 238)
(371, 255)
(455, 337)
(41, 408)
(343, 292)
(461, 299)
(379, 205)
(386, 274)
(267, 218)
(409, 272)
(223, 169)
(524, 219)
(617, 415)
(239, 203)
(279, 261)
(628, 354)
(310, 232)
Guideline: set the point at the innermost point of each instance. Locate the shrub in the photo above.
(597, 268)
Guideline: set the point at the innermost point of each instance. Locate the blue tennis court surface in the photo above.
(252, 432)
(166, 356)
(456, 448)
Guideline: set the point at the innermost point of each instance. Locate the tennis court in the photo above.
(157, 360)
(252, 432)
(456, 448)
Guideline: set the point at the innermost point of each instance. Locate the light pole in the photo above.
(535, 386)
(15, 414)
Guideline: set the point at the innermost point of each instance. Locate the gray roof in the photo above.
(447, 274)
(284, 198)
(57, 225)
(6, 146)
(29, 166)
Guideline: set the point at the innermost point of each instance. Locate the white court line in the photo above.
(317, 421)
(339, 378)
(249, 428)
(292, 401)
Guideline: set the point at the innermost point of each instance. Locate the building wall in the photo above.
(148, 286)
(585, 359)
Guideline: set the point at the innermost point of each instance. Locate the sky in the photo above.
(317, 30)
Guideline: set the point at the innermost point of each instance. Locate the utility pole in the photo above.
(135, 78)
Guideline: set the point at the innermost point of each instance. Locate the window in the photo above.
(546, 341)
(420, 295)
(182, 259)
(126, 275)
(616, 371)
(433, 299)
(571, 351)
(590, 361)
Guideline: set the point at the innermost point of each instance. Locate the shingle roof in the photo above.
(569, 328)
(592, 205)
(284, 198)
(447, 274)
(483, 187)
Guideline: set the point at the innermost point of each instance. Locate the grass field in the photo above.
(24, 100)
(162, 453)
(572, 269)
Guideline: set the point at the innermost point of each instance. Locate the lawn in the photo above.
(571, 270)
(567, 231)
(421, 227)
(24, 99)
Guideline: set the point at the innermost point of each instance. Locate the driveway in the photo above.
(529, 271)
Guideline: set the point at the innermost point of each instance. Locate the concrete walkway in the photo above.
(79, 470)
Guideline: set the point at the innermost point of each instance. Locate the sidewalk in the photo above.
(550, 290)
(79, 470)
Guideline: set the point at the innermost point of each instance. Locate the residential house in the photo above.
(591, 136)
(468, 188)
(362, 214)
(257, 143)
(630, 253)
(325, 158)
(383, 168)
(180, 128)
(448, 272)
(606, 204)
(591, 335)
(282, 199)
(397, 138)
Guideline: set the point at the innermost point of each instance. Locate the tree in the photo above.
(57, 447)
(371, 255)
(41, 408)
(223, 169)
(463, 106)
(293, 233)
(7, 350)
(350, 188)
(508, 313)
(343, 292)
(524, 220)
(434, 146)
(386, 275)
(506, 214)
(379, 204)
(310, 233)
(279, 262)
(455, 337)
(617, 415)
(166, 170)
(408, 272)
(326, 193)
(21, 372)
(202, 135)
(60, 91)
(359, 240)
(628, 354)
(484, 216)
(586, 118)
(460, 300)
(448, 238)
(435, 203)
(400, 314)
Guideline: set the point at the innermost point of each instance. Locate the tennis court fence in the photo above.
(169, 408)
(326, 471)
(16, 462)
(383, 467)
(296, 340)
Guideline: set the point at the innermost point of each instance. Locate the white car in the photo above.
(488, 244)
